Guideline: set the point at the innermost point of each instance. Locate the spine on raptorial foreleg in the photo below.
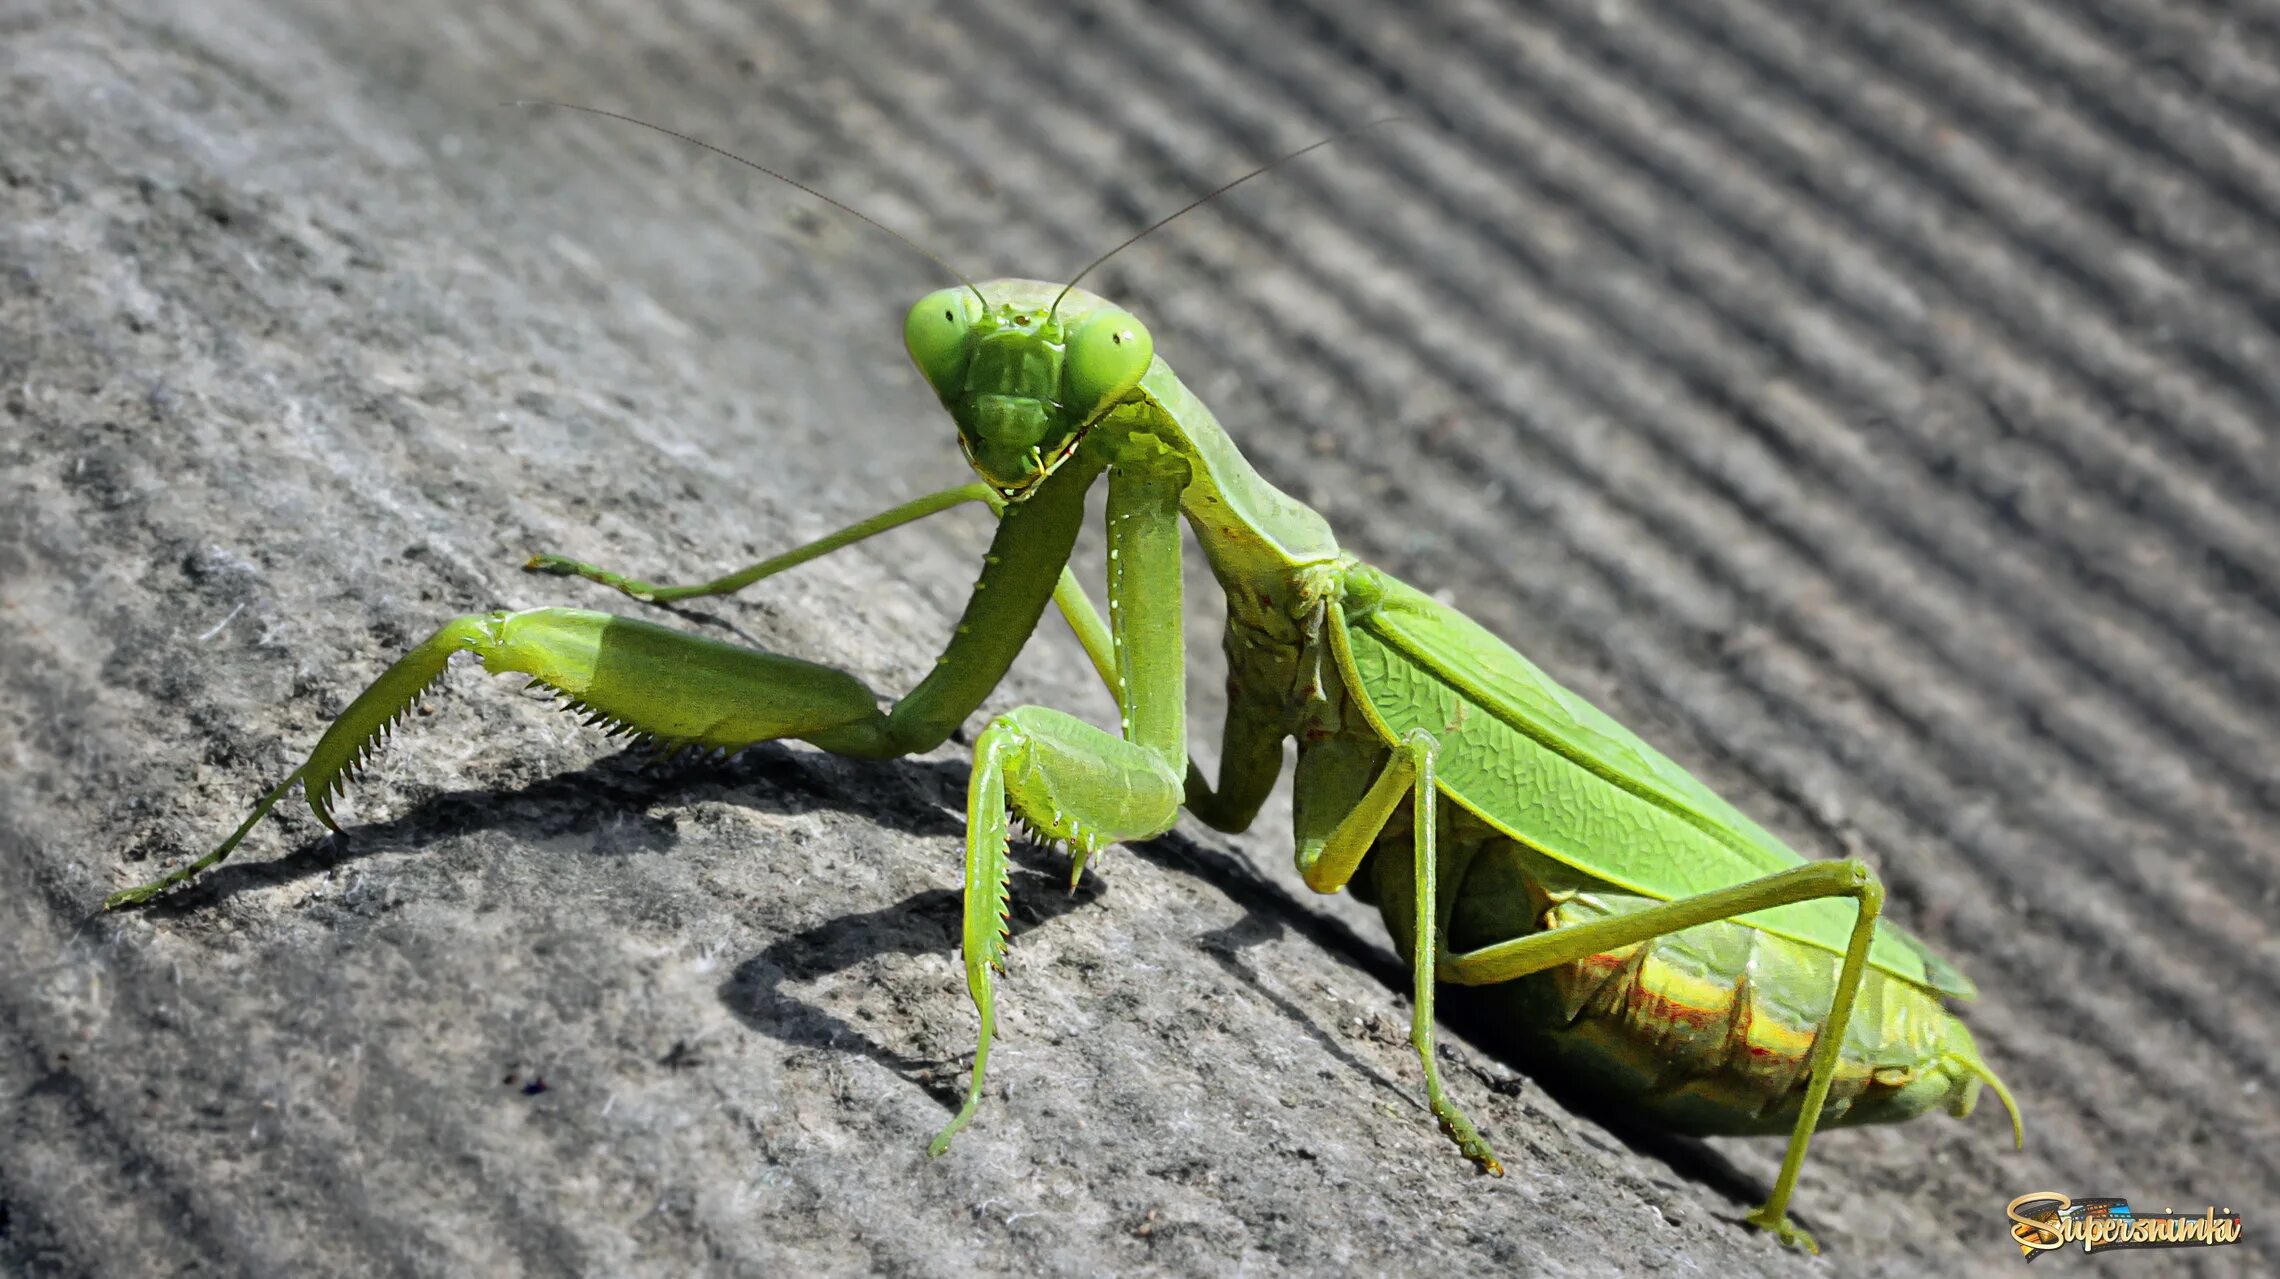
(349, 743)
(675, 688)
(629, 676)
(340, 753)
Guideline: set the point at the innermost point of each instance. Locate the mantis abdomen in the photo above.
(1708, 1030)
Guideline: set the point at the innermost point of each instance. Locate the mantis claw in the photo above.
(563, 566)
(1779, 1225)
(1476, 1149)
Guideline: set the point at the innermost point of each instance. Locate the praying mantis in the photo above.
(1646, 935)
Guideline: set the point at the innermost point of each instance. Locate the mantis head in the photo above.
(1023, 386)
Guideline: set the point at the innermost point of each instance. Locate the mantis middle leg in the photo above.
(1091, 632)
(1328, 862)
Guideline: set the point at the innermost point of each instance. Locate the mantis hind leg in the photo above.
(1507, 960)
(630, 676)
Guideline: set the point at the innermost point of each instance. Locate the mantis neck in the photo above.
(1255, 536)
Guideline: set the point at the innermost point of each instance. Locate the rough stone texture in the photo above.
(1873, 405)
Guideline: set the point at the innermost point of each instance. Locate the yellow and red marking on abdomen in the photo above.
(1707, 1030)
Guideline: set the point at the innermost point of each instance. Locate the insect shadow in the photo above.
(611, 793)
(920, 797)
(926, 923)
(929, 923)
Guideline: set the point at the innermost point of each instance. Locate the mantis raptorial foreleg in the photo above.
(632, 676)
(1028, 758)
(1067, 594)
(689, 690)
(1067, 779)
(1250, 750)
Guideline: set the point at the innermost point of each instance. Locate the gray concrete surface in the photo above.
(1873, 404)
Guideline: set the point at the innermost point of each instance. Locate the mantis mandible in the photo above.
(1649, 936)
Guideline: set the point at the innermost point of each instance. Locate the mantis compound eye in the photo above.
(1108, 353)
(935, 333)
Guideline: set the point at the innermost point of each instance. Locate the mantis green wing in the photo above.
(1553, 771)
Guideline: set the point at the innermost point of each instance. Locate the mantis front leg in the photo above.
(689, 690)
(1250, 751)
(1067, 779)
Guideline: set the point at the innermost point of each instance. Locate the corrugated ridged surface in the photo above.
(1872, 404)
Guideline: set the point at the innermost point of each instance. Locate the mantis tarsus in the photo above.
(1653, 938)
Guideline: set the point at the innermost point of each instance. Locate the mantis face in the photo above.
(1022, 387)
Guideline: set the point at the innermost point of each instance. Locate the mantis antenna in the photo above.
(1206, 198)
(795, 183)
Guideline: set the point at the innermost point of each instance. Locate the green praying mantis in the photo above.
(1645, 935)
